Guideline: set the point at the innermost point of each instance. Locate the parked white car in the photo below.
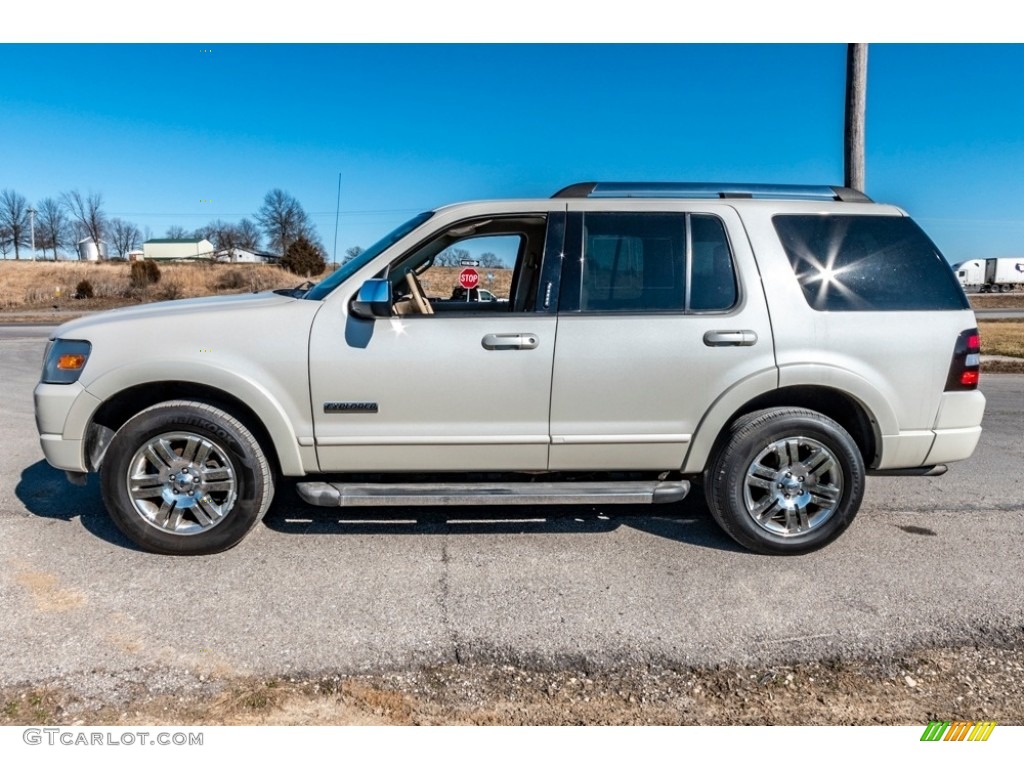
(776, 342)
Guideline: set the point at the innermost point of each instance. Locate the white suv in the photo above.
(776, 342)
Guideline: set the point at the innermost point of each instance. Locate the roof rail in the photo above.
(691, 189)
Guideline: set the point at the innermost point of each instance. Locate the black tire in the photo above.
(785, 481)
(185, 478)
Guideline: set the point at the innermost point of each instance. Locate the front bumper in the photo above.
(63, 412)
(63, 454)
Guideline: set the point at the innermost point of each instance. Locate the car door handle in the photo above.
(730, 338)
(510, 341)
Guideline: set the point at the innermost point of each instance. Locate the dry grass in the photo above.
(1002, 337)
(27, 285)
(438, 282)
(44, 286)
(1014, 300)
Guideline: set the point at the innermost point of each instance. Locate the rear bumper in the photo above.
(960, 410)
(957, 426)
(954, 436)
(926, 447)
(953, 444)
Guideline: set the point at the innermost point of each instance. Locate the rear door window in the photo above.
(655, 262)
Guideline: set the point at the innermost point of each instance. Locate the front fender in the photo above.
(277, 412)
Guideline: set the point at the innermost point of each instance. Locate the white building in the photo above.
(165, 249)
(246, 256)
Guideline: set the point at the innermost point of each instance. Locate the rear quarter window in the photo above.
(847, 263)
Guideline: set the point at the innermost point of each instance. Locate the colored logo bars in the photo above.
(939, 730)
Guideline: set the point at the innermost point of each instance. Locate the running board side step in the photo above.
(338, 494)
(932, 471)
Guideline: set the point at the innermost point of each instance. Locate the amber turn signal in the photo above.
(70, 362)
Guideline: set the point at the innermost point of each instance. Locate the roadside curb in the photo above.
(1001, 364)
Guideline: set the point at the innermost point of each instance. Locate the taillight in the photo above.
(965, 370)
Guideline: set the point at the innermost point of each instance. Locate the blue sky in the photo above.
(159, 129)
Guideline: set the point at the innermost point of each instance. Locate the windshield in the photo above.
(349, 268)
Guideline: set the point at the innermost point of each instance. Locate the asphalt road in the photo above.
(929, 561)
(15, 332)
(999, 314)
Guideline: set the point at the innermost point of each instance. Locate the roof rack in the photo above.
(691, 189)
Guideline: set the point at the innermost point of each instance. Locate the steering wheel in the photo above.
(417, 294)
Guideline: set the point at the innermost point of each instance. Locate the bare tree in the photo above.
(856, 107)
(216, 232)
(54, 229)
(206, 232)
(14, 219)
(451, 257)
(225, 236)
(5, 241)
(125, 235)
(87, 213)
(248, 235)
(352, 253)
(284, 221)
(177, 233)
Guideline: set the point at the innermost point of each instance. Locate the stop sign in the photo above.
(469, 279)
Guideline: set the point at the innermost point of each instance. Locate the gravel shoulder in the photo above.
(966, 683)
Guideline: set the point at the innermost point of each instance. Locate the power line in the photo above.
(251, 213)
(1010, 222)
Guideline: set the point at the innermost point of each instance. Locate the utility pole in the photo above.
(337, 215)
(32, 227)
(856, 104)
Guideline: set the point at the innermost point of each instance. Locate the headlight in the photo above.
(65, 360)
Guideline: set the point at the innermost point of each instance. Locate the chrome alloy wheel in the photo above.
(793, 486)
(182, 483)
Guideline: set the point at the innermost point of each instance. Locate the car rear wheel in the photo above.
(785, 481)
(185, 478)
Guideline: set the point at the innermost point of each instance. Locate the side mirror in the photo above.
(373, 300)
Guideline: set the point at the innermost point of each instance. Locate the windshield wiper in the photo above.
(298, 291)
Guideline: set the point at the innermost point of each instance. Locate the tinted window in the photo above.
(865, 263)
(637, 262)
(712, 281)
(633, 261)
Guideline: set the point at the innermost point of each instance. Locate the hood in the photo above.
(177, 310)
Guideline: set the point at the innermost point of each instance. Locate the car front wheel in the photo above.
(185, 478)
(785, 481)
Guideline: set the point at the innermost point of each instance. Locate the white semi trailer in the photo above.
(991, 275)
